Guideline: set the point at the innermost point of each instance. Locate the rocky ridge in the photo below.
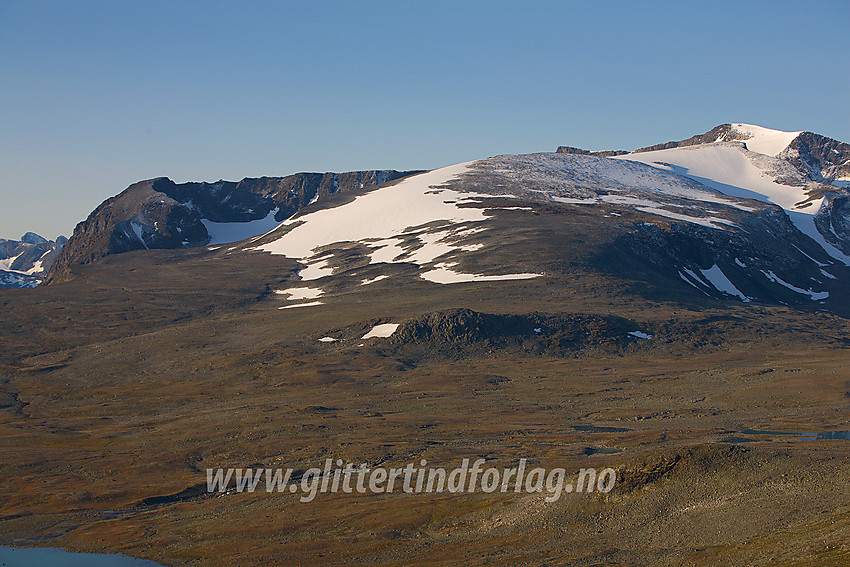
(161, 214)
(24, 262)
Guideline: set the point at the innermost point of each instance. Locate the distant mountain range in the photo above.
(24, 262)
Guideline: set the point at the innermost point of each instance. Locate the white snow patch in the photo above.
(694, 276)
(36, 267)
(721, 283)
(315, 270)
(827, 274)
(327, 340)
(442, 274)
(311, 304)
(640, 335)
(295, 293)
(740, 263)
(819, 264)
(434, 245)
(227, 232)
(381, 331)
(815, 295)
(7, 262)
(137, 229)
(387, 251)
(626, 200)
(573, 201)
(709, 222)
(368, 281)
(805, 223)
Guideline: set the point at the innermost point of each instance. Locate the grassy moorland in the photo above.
(121, 387)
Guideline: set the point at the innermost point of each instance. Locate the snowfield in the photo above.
(227, 232)
(765, 140)
(380, 214)
(731, 170)
(384, 219)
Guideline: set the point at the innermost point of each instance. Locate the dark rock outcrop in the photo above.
(459, 330)
(820, 158)
(601, 153)
(833, 221)
(721, 133)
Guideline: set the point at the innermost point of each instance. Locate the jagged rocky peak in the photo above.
(33, 238)
(24, 262)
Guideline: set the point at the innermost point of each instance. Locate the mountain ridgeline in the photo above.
(161, 214)
(739, 213)
(24, 262)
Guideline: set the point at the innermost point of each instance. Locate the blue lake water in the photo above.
(51, 557)
(799, 435)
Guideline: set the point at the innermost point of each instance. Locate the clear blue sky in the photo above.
(97, 95)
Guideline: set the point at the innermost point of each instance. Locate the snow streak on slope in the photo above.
(5, 264)
(721, 283)
(443, 274)
(385, 219)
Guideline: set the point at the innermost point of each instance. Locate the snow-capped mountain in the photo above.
(737, 245)
(24, 262)
(740, 213)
